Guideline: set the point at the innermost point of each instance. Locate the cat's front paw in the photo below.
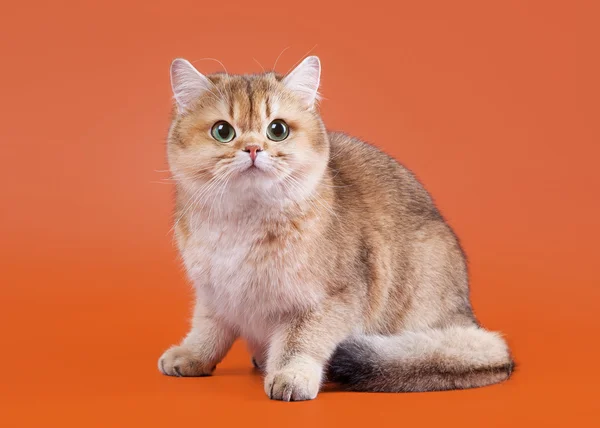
(292, 385)
(182, 361)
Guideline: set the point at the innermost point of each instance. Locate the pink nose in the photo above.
(253, 149)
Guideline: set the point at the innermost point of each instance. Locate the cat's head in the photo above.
(247, 136)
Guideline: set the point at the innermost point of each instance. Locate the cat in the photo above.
(324, 253)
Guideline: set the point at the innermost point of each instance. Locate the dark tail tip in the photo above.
(357, 367)
(352, 365)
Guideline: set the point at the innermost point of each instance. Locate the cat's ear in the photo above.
(304, 80)
(188, 84)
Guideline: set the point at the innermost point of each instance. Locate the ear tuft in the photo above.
(188, 84)
(304, 80)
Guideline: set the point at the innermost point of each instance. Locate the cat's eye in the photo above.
(278, 130)
(223, 132)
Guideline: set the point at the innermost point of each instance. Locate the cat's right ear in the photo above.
(304, 80)
(188, 84)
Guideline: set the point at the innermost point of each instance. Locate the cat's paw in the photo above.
(182, 361)
(292, 385)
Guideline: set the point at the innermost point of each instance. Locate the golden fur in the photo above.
(327, 255)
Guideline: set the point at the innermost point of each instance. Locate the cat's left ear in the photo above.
(188, 84)
(304, 80)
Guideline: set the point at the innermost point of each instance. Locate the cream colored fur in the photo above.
(322, 253)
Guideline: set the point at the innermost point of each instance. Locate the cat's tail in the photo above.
(430, 360)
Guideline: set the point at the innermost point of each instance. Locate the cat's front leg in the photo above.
(203, 348)
(300, 349)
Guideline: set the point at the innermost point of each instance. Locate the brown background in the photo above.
(493, 104)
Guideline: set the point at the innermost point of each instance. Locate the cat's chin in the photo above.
(255, 177)
(257, 171)
(253, 169)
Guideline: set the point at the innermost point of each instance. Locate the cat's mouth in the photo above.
(256, 170)
(253, 168)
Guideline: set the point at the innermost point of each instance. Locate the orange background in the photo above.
(493, 104)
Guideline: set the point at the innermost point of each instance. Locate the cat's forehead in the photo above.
(247, 84)
(249, 99)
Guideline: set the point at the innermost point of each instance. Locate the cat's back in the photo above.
(368, 180)
(389, 228)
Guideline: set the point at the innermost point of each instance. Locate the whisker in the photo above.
(279, 56)
(224, 179)
(300, 60)
(332, 186)
(316, 199)
(192, 201)
(298, 185)
(212, 59)
(304, 175)
(261, 66)
(160, 182)
(201, 199)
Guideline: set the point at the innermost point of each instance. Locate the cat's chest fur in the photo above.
(251, 272)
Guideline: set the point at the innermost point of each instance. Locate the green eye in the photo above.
(223, 132)
(278, 130)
